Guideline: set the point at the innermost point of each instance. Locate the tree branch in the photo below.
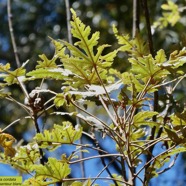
(12, 33)
(136, 17)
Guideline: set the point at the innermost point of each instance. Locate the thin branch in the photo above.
(148, 25)
(103, 162)
(148, 163)
(100, 178)
(170, 165)
(14, 122)
(99, 120)
(155, 107)
(106, 167)
(107, 94)
(12, 33)
(107, 110)
(136, 13)
(93, 157)
(68, 21)
(42, 159)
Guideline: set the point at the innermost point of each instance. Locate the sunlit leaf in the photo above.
(59, 100)
(60, 134)
(53, 171)
(53, 73)
(46, 63)
(12, 76)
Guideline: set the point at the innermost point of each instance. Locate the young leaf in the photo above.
(178, 118)
(171, 15)
(135, 47)
(12, 76)
(46, 63)
(65, 134)
(25, 157)
(146, 67)
(85, 63)
(59, 100)
(53, 171)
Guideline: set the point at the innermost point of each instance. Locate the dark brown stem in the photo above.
(155, 107)
(136, 17)
(42, 159)
(148, 25)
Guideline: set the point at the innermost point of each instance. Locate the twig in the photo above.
(106, 167)
(68, 21)
(136, 13)
(42, 159)
(14, 122)
(100, 178)
(148, 25)
(93, 157)
(103, 162)
(170, 165)
(148, 163)
(12, 33)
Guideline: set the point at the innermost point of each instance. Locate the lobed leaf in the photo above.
(53, 171)
(12, 76)
(143, 118)
(46, 63)
(53, 73)
(65, 134)
(6, 142)
(26, 157)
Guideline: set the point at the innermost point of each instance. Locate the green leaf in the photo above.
(26, 156)
(160, 58)
(65, 134)
(135, 47)
(53, 171)
(4, 68)
(170, 15)
(173, 135)
(137, 134)
(84, 62)
(53, 73)
(59, 100)
(12, 76)
(77, 183)
(46, 63)
(81, 32)
(178, 118)
(146, 67)
(143, 118)
(4, 94)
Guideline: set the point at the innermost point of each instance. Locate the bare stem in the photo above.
(136, 13)
(151, 48)
(42, 161)
(12, 33)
